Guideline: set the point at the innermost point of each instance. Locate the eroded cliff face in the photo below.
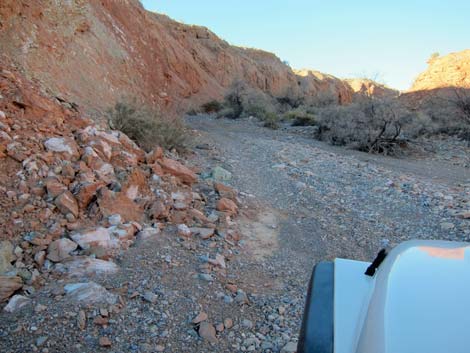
(448, 71)
(95, 52)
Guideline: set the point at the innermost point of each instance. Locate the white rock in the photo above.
(115, 219)
(183, 230)
(89, 292)
(97, 237)
(148, 233)
(84, 265)
(58, 144)
(16, 302)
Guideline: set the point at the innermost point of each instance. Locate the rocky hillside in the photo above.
(94, 52)
(451, 70)
(73, 194)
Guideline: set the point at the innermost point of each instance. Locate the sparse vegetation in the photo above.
(372, 125)
(212, 106)
(271, 120)
(146, 126)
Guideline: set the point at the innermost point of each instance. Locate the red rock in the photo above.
(100, 321)
(60, 249)
(54, 187)
(157, 169)
(159, 210)
(154, 156)
(226, 191)
(175, 168)
(67, 203)
(226, 205)
(136, 184)
(202, 316)
(111, 203)
(8, 286)
(207, 331)
(86, 193)
(228, 323)
(105, 342)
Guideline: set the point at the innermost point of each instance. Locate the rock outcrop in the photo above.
(91, 53)
(322, 86)
(447, 71)
(363, 86)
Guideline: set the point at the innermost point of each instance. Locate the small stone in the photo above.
(290, 347)
(81, 320)
(184, 231)
(159, 348)
(40, 308)
(206, 277)
(447, 226)
(241, 297)
(105, 342)
(219, 327)
(228, 323)
(221, 174)
(207, 332)
(41, 340)
(150, 297)
(115, 219)
(40, 257)
(203, 233)
(247, 323)
(202, 316)
(227, 205)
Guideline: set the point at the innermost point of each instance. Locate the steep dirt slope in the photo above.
(93, 52)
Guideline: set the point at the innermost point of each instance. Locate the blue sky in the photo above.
(390, 40)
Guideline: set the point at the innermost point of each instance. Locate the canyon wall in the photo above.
(92, 53)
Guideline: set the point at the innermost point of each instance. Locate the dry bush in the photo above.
(147, 127)
(300, 117)
(244, 101)
(212, 106)
(449, 112)
(371, 125)
(271, 120)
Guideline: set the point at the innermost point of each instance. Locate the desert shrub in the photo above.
(299, 117)
(371, 125)
(147, 127)
(245, 101)
(212, 106)
(449, 111)
(271, 120)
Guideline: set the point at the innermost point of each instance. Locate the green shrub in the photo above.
(212, 106)
(147, 127)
